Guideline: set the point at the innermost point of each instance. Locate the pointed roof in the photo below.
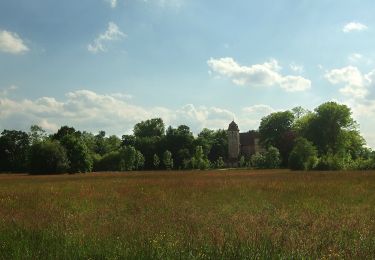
(233, 126)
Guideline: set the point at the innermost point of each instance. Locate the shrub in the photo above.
(272, 158)
(269, 159)
(303, 156)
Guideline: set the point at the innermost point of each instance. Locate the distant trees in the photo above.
(326, 138)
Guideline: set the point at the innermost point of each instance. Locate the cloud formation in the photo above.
(356, 84)
(354, 26)
(259, 75)
(10, 42)
(112, 33)
(88, 110)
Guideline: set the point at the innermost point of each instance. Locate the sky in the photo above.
(108, 64)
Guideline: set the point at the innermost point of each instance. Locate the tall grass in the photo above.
(188, 215)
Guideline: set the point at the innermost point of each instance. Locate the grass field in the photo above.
(195, 215)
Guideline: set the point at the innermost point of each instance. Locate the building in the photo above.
(241, 144)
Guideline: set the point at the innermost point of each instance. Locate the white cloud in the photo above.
(358, 58)
(90, 111)
(263, 75)
(354, 26)
(296, 68)
(113, 3)
(355, 83)
(99, 44)
(10, 42)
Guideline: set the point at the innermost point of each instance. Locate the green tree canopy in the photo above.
(276, 130)
(149, 128)
(48, 157)
(14, 146)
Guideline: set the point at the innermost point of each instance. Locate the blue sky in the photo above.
(106, 64)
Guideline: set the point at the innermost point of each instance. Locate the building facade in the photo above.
(241, 144)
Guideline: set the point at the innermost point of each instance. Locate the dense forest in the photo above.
(324, 139)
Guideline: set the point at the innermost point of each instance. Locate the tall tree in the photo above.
(14, 146)
(179, 141)
(330, 122)
(48, 157)
(276, 130)
(149, 128)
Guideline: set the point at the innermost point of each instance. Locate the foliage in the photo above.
(272, 158)
(37, 134)
(219, 163)
(168, 160)
(149, 128)
(48, 157)
(78, 154)
(156, 161)
(14, 146)
(329, 127)
(179, 141)
(242, 161)
(276, 130)
(199, 160)
(304, 155)
(269, 159)
(131, 159)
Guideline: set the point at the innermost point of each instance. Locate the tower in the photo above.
(233, 143)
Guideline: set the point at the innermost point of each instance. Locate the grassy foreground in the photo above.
(194, 215)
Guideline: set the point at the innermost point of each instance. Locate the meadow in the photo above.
(188, 215)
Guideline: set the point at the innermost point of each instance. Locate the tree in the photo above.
(327, 125)
(304, 155)
(179, 141)
(149, 128)
(199, 161)
(272, 158)
(269, 159)
(65, 131)
(129, 159)
(168, 160)
(14, 146)
(78, 154)
(156, 161)
(37, 134)
(48, 157)
(139, 161)
(276, 130)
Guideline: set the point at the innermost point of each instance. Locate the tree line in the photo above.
(324, 139)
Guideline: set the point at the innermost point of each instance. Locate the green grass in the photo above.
(188, 215)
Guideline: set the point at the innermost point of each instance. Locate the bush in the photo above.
(270, 159)
(334, 162)
(304, 155)
(48, 157)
